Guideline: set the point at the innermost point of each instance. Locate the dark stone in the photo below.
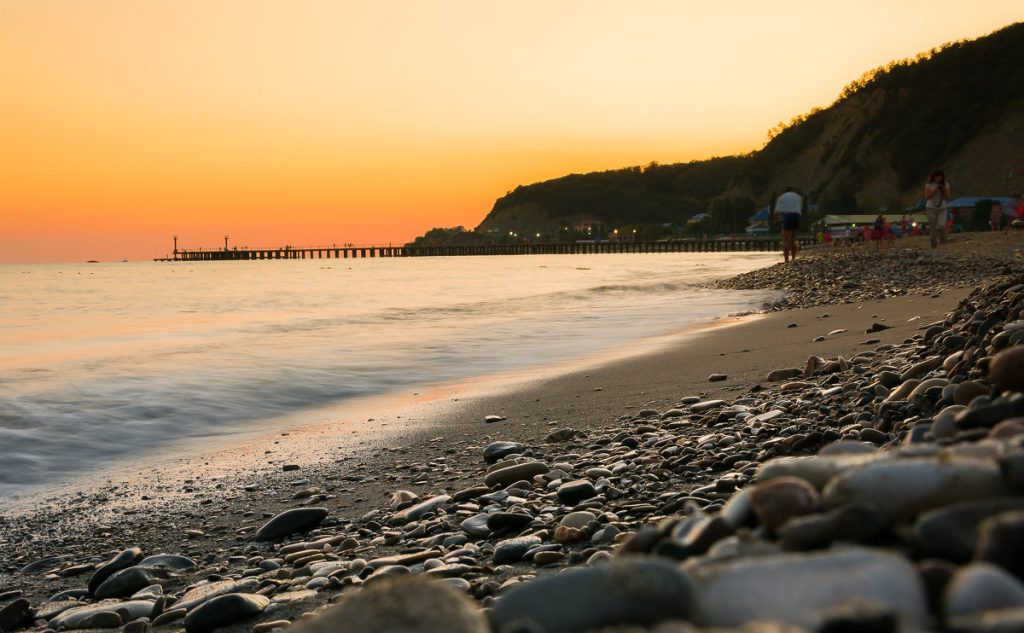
(573, 492)
(123, 560)
(512, 550)
(496, 450)
(705, 533)
(16, 615)
(511, 521)
(851, 523)
(225, 610)
(123, 583)
(1001, 542)
(637, 591)
(1012, 467)
(951, 531)
(290, 522)
(989, 415)
(935, 576)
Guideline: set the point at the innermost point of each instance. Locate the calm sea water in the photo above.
(99, 362)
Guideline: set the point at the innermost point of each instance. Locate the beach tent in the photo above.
(758, 223)
(968, 203)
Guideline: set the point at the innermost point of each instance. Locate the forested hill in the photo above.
(960, 106)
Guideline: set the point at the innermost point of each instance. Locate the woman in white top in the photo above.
(936, 195)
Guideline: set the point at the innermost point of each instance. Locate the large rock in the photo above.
(400, 605)
(903, 488)
(631, 591)
(225, 610)
(123, 560)
(802, 589)
(290, 522)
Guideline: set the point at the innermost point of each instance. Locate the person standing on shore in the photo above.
(788, 208)
(936, 195)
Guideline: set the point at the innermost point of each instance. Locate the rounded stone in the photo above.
(400, 605)
(638, 591)
(125, 559)
(573, 492)
(1007, 368)
(776, 501)
(513, 473)
(497, 450)
(1001, 541)
(290, 522)
(981, 587)
(224, 610)
(577, 519)
(123, 583)
(969, 390)
(1007, 428)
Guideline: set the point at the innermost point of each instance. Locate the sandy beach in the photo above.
(206, 505)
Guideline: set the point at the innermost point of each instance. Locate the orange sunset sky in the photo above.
(123, 122)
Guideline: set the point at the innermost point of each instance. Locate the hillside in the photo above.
(960, 106)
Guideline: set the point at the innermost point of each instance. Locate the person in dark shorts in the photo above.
(788, 209)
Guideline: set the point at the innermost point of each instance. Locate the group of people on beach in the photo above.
(788, 211)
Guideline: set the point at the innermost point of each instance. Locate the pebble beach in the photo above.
(849, 458)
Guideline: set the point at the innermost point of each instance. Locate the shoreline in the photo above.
(210, 515)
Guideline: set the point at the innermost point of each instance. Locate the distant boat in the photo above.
(93, 261)
(124, 261)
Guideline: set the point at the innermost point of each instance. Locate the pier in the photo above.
(573, 248)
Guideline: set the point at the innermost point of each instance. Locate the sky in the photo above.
(312, 122)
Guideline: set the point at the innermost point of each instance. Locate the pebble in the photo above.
(123, 583)
(224, 610)
(1007, 368)
(514, 473)
(124, 559)
(401, 605)
(419, 510)
(498, 450)
(573, 492)
(903, 488)
(627, 592)
(801, 589)
(512, 550)
(778, 500)
(289, 522)
(981, 587)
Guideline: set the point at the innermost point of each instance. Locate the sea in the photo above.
(106, 362)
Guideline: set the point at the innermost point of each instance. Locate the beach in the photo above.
(660, 434)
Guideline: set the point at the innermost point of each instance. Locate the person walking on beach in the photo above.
(936, 195)
(788, 208)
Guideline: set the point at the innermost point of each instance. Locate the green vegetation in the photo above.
(895, 123)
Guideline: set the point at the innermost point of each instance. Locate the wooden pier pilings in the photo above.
(575, 248)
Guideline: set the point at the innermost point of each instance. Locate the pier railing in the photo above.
(577, 248)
